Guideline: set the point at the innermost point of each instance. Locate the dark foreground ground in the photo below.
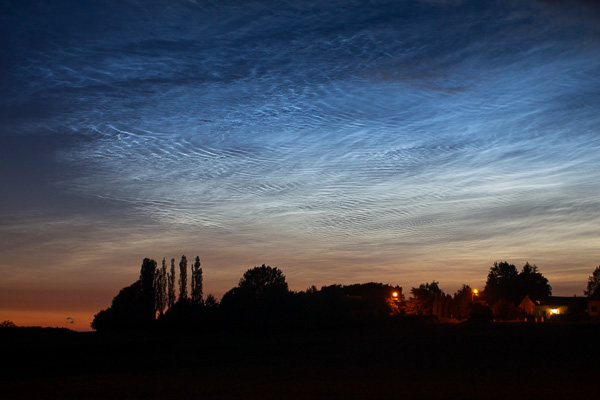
(508, 361)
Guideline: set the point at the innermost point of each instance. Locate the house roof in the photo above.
(561, 300)
(526, 300)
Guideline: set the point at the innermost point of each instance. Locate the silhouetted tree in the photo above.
(448, 307)
(462, 302)
(372, 300)
(504, 282)
(329, 306)
(501, 283)
(505, 310)
(160, 283)
(171, 286)
(530, 282)
(593, 282)
(183, 296)
(196, 282)
(126, 312)
(422, 298)
(259, 280)
(259, 300)
(439, 303)
(7, 324)
(148, 290)
(211, 301)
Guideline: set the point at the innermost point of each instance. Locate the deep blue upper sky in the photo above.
(342, 141)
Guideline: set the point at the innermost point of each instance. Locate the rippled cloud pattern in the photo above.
(392, 133)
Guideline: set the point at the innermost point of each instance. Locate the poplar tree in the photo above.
(183, 279)
(160, 283)
(196, 282)
(171, 285)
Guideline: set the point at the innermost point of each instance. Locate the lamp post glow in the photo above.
(474, 293)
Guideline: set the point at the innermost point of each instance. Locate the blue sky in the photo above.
(342, 141)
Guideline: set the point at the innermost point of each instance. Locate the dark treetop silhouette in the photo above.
(262, 299)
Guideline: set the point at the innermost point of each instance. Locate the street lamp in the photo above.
(474, 293)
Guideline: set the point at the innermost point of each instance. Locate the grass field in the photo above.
(429, 361)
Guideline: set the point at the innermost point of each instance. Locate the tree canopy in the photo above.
(262, 299)
(422, 298)
(504, 282)
(593, 282)
(259, 280)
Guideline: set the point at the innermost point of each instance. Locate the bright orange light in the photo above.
(395, 294)
(554, 311)
(475, 291)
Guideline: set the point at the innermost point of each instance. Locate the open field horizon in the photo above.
(81, 319)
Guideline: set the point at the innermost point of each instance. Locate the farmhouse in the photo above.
(552, 306)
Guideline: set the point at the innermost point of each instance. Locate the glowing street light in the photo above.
(474, 293)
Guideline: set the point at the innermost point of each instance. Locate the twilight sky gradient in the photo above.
(341, 141)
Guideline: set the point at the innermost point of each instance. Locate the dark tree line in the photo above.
(151, 296)
(506, 288)
(262, 299)
(505, 282)
(429, 300)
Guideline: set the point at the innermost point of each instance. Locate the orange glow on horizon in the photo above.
(77, 321)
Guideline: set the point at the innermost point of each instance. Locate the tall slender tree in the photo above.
(171, 285)
(196, 282)
(183, 294)
(160, 283)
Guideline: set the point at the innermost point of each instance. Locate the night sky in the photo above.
(341, 141)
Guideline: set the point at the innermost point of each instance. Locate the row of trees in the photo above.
(505, 282)
(262, 299)
(429, 299)
(505, 288)
(152, 295)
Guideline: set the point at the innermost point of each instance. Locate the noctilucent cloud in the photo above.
(341, 141)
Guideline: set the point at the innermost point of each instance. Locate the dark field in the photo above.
(508, 361)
